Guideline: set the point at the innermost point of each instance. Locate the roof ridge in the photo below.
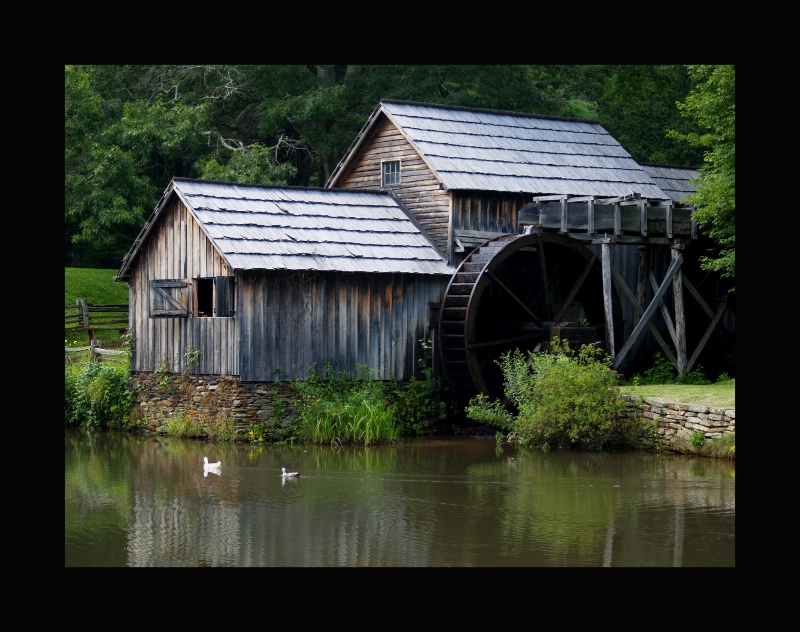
(295, 187)
(465, 108)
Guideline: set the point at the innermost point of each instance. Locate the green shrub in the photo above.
(565, 398)
(723, 447)
(697, 439)
(696, 377)
(662, 371)
(418, 402)
(97, 395)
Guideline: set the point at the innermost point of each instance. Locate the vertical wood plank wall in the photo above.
(178, 249)
(296, 320)
(286, 321)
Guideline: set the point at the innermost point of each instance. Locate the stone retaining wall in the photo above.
(211, 397)
(220, 398)
(676, 422)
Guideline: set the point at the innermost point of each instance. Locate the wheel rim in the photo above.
(512, 292)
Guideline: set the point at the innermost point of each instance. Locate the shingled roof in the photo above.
(674, 181)
(492, 150)
(257, 227)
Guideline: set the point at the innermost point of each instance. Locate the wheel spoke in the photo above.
(516, 298)
(483, 344)
(543, 266)
(575, 288)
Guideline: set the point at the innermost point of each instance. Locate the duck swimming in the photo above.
(211, 466)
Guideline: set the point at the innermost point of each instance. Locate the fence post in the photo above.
(82, 305)
(92, 353)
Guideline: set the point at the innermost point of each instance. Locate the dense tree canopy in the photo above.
(712, 104)
(130, 129)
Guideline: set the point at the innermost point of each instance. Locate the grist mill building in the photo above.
(477, 230)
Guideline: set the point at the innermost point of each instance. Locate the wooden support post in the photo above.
(641, 280)
(680, 316)
(643, 217)
(608, 304)
(668, 205)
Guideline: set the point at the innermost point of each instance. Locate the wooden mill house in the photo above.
(479, 230)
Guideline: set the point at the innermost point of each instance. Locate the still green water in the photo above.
(146, 501)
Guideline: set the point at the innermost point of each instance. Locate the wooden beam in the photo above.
(648, 313)
(665, 312)
(575, 289)
(637, 306)
(643, 217)
(518, 300)
(608, 305)
(707, 334)
(680, 314)
(545, 282)
(669, 229)
(704, 306)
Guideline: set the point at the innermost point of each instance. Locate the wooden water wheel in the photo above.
(517, 291)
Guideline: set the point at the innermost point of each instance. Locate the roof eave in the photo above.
(366, 130)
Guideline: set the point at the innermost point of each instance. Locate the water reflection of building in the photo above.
(254, 535)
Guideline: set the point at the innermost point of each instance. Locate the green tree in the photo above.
(129, 129)
(121, 150)
(712, 105)
(636, 104)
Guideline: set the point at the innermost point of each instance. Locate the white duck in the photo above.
(214, 467)
(289, 474)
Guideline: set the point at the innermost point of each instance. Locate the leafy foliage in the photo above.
(712, 105)
(418, 402)
(129, 129)
(565, 398)
(662, 371)
(97, 395)
(636, 104)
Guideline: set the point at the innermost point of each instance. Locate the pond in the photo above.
(145, 501)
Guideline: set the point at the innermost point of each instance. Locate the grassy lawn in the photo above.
(95, 285)
(98, 287)
(720, 395)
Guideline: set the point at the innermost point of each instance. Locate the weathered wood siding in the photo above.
(418, 189)
(290, 321)
(486, 211)
(489, 212)
(177, 249)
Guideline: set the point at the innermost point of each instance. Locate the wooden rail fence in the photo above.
(92, 319)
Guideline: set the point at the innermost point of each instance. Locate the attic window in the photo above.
(390, 173)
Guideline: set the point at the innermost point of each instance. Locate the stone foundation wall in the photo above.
(220, 398)
(676, 422)
(212, 397)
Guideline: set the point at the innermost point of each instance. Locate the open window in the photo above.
(214, 297)
(390, 173)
